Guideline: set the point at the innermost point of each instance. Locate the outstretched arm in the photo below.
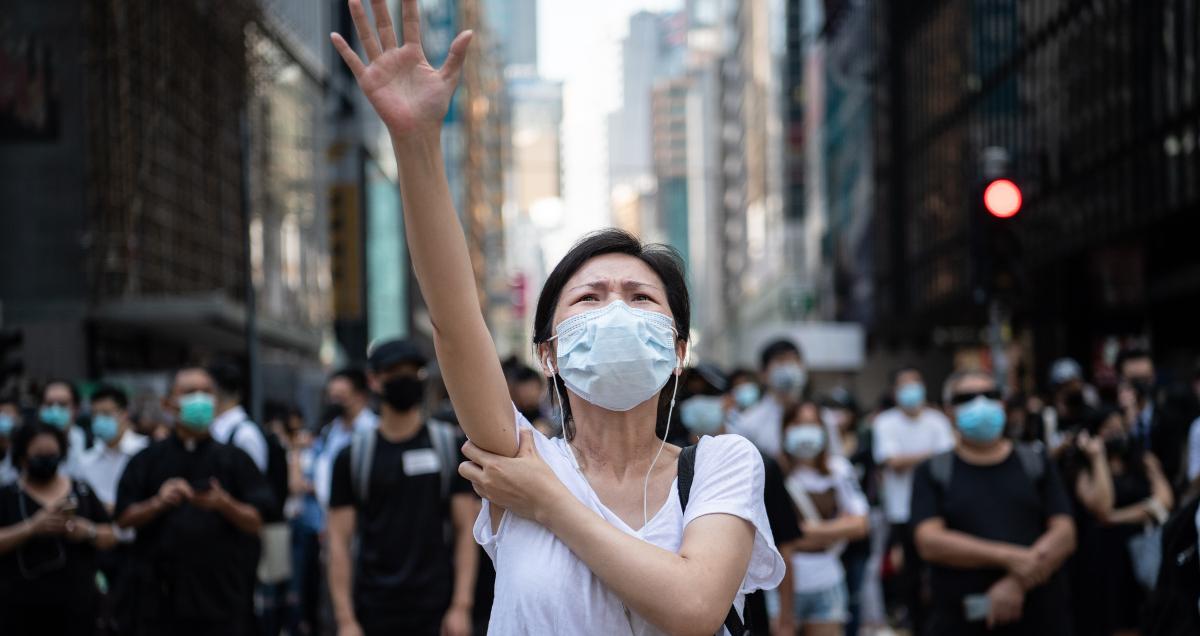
(412, 98)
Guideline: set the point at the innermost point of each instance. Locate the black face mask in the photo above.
(532, 414)
(42, 468)
(1116, 446)
(1074, 400)
(332, 411)
(1144, 388)
(403, 393)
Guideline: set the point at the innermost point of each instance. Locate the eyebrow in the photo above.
(629, 284)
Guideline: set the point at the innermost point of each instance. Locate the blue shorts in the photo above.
(821, 606)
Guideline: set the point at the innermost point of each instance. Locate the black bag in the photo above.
(686, 470)
(276, 473)
(1172, 609)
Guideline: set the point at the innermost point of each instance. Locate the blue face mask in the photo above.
(911, 395)
(55, 415)
(804, 442)
(788, 378)
(746, 395)
(105, 427)
(980, 420)
(616, 357)
(7, 423)
(702, 415)
(196, 410)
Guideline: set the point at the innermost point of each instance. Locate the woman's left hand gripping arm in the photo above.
(685, 593)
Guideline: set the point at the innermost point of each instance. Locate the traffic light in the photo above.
(994, 223)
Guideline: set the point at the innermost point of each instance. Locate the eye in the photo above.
(637, 298)
(590, 298)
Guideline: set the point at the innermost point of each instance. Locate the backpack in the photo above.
(1173, 609)
(362, 455)
(276, 473)
(686, 471)
(1033, 464)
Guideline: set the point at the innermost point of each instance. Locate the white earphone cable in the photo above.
(661, 446)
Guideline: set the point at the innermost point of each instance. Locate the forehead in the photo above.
(43, 441)
(104, 403)
(974, 382)
(613, 267)
(910, 375)
(193, 380)
(58, 391)
(340, 385)
(785, 357)
(1138, 365)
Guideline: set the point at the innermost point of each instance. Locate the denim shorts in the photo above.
(821, 606)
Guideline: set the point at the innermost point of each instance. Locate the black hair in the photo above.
(521, 373)
(742, 373)
(111, 392)
(228, 378)
(275, 410)
(70, 387)
(356, 377)
(26, 433)
(777, 349)
(190, 367)
(662, 259)
(1131, 353)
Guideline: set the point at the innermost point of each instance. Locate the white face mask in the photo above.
(616, 357)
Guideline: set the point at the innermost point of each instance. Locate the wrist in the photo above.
(426, 141)
(462, 606)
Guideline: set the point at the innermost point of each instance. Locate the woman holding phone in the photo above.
(50, 528)
(588, 531)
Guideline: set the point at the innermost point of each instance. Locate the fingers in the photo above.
(214, 484)
(383, 22)
(363, 27)
(348, 55)
(526, 444)
(476, 454)
(457, 55)
(471, 472)
(410, 20)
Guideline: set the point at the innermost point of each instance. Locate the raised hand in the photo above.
(408, 93)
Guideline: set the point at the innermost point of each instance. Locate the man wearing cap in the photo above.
(397, 491)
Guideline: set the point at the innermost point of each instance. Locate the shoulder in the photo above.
(840, 467)
(934, 417)
(728, 453)
(887, 419)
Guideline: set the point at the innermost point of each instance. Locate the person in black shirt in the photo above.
(993, 520)
(50, 529)
(198, 506)
(398, 491)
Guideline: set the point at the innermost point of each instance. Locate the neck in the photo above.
(225, 406)
(42, 487)
(984, 453)
(912, 412)
(783, 397)
(620, 442)
(188, 435)
(397, 426)
(116, 440)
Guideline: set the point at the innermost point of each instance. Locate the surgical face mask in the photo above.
(42, 468)
(911, 395)
(105, 427)
(980, 420)
(804, 442)
(332, 411)
(55, 415)
(702, 415)
(788, 378)
(7, 423)
(196, 410)
(616, 357)
(746, 395)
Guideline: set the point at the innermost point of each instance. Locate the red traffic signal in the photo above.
(1002, 198)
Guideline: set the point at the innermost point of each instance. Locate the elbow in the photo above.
(926, 546)
(697, 618)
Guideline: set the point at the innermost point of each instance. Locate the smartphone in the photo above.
(976, 607)
(200, 485)
(70, 506)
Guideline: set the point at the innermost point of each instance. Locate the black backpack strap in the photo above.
(685, 471)
(443, 439)
(1033, 462)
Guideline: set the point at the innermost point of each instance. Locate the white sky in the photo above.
(579, 43)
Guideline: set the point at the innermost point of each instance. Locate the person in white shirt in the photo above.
(567, 521)
(904, 437)
(233, 425)
(347, 397)
(59, 408)
(102, 465)
(785, 377)
(824, 488)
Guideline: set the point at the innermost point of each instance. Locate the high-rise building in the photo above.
(1096, 108)
(513, 24)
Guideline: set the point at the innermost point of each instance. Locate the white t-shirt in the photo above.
(1193, 452)
(762, 424)
(101, 467)
(543, 588)
(813, 571)
(245, 435)
(897, 434)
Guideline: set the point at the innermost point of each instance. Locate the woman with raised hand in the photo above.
(590, 532)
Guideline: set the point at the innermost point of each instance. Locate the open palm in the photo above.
(408, 93)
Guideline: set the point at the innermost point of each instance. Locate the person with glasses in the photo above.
(993, 520)
(51, 527)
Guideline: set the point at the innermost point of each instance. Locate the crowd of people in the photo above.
(977, 515)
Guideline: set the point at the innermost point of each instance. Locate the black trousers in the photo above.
(906, 586)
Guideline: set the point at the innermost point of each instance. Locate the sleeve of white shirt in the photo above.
(946, 439)
(851, 500)
(248, 438)
(1193, 465)
(884, 447)
(729, 480)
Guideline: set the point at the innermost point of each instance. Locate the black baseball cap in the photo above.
(389, 353)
